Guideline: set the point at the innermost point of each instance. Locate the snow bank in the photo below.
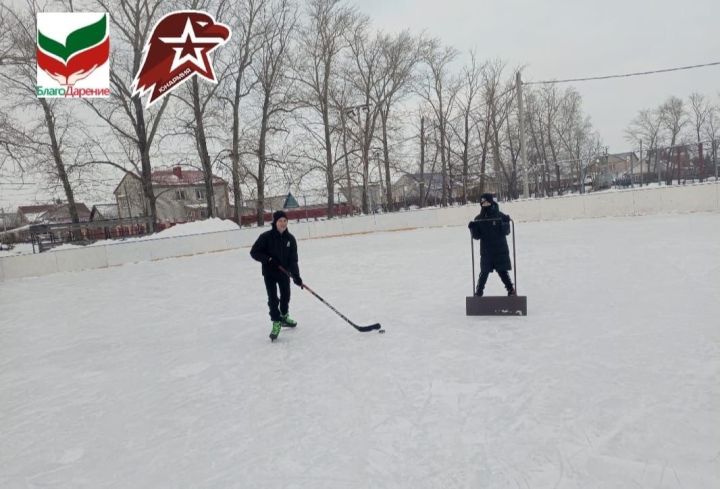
(212, 225)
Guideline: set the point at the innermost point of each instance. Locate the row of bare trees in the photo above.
(309, 94)
(673, 125)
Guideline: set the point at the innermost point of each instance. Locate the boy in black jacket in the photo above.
(489, 228)
(274, 248)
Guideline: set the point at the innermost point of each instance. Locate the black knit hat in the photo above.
(278, 215)
(489, 197)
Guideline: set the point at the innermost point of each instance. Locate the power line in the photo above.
(624, 75)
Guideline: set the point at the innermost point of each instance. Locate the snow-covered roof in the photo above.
(50, 212)
(35, 217)
(181, 177)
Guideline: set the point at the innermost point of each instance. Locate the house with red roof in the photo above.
(180, 196)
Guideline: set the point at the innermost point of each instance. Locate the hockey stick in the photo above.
(363, 329)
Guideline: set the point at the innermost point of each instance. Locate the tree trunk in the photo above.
(422, 162)
(347, 163)
(143, 147)
(443, 159)
(59, 163)
(386, 158)
(465, 162)
(329, 163)
(235, 156)
(201, 144)
(366, 142)
(261, 165)
(365, 178)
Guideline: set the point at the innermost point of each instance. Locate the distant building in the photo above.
(375, 196)
(50, 213)
(270, 203)
(406, 190)
(8, 220)
(180, 196)
(104, 212)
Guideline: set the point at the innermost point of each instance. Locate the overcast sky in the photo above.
(559, 39)
(556, 39)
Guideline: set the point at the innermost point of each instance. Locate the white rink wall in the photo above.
(636, 202)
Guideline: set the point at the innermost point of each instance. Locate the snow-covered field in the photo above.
(161, 375)
(18, 249)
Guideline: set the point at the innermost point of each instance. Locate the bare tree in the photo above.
(400, 55)
(439, 89)
(206, 120)
(274, 83)
(321, 43)
(674, 119)
(8, 54)
(423, 138)
(549, 113)
(471, 90)
(498, 95)
(134, 126)
(483, 120)
(576, 134)
(646, 127)
(45, 144)
(239, 55)
(712, 132)
(349, 144)
(700, 110)
(537, 150)
(364, 75)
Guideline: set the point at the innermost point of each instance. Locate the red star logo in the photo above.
(179, 48)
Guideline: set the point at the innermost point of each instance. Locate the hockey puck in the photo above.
(381, 331)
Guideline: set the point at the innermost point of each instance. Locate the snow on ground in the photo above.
(211, 225)
(18, 249)
(610, 382)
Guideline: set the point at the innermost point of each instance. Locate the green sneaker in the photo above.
(287, 321)
(275, 330)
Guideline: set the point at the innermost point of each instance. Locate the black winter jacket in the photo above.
(488, 228)
(282, 248)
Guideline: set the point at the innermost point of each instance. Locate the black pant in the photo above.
(504, 276)
(271, 286)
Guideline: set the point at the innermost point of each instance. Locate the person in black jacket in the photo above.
(490, 228)
(278, 248)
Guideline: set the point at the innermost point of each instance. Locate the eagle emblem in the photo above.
(178, 48)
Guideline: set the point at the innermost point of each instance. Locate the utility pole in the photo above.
(376, 155)
(523, 146)
(421, 184)
(641, 168)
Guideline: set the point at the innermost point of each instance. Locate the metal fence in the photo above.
(46, 236)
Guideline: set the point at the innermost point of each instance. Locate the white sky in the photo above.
(560, 39)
